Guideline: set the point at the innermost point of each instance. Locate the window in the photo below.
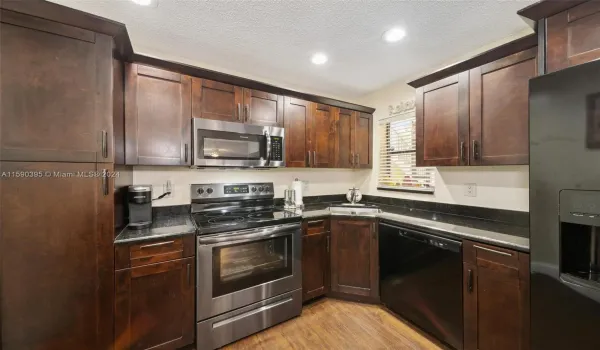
(398, 157)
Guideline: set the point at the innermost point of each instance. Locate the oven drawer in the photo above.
(224, 329)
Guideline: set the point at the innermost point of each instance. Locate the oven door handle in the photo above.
(275, 231)
(268, 138)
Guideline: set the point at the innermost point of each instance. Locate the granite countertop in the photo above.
(447, 225)
(162, 226)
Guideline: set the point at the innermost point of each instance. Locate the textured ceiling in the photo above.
(273, 40)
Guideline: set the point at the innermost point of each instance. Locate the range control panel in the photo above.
(276, 148)
(242, 190)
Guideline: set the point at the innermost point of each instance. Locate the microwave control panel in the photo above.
(276, 148)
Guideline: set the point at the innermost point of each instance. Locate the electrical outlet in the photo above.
(304, 186)
(168, 188)
(471, 190)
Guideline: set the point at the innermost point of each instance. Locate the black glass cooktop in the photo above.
(217, 221)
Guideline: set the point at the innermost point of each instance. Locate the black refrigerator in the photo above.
(564, 202)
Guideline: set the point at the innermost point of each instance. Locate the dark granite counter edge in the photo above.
(162, 227)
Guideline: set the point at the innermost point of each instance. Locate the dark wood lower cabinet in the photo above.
(496, 298)
(315, 258)
(355, 257)
(56, 256)
(154, 305)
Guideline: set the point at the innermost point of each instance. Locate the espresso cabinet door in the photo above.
(218, 101)
(157, 116)
(363, 140)
(155, 306)
(56, 92)
(499, 110)
(263, 108)
(297, 139)
(496, 298)
(322, 137)
(344, 121)
(57, 255)
(573, 36)
(354, 257)
(442, 122)
(315, 258)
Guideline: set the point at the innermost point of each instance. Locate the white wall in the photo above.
(317, 181)
(501, 187)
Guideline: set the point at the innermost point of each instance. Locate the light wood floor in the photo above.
(336, 324)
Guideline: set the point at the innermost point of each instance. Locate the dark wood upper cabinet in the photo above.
(442, 122)
(218, 101)
(344, 151)
(57, 257)
(297, 139)
(496, 298)
(499, 110)
(363, 140)
(322, 136)
(157, 116)
(315, 258)
(573, 36)
(155, 306)
(354, 257)
(56, 91)
(263, 108)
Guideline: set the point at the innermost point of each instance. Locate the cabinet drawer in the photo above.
(136, 254)
(153, 252)
(315, 226)
(478, 253)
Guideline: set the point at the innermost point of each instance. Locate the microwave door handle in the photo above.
(268, 138)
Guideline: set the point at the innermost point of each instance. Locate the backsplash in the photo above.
(318, 181)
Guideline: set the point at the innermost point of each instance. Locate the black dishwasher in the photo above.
(421, 280)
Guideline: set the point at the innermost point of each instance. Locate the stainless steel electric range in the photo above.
(248, 262)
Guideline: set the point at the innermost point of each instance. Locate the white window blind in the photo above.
(398, 158)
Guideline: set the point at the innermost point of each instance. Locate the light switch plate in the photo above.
(471, 190)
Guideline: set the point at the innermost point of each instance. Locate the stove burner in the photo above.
(262, 215)
(225, 220)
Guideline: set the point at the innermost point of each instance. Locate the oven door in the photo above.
(218, 143)
(236, 269)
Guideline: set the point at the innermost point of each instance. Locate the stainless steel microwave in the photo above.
(226, 144)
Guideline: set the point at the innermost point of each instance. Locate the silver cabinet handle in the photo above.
(314, 157)
(352, 158)
(185, 152)
(475, 153)
(104, 182)
(314, 222)
(157, 244)
(309, 164)
(462, 151)
(104, 144)
(358, 159)
(328, 239)
(470, 281)
(247, 112)
(239, 111)
(492, 250)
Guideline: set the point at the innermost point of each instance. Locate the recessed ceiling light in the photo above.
(319, 58)
(142, 2)
(394, 35)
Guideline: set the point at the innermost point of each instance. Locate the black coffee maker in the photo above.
(139, 200)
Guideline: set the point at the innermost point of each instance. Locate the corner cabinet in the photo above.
(496, 298)
(56, 92)
(157, 116)
(477, 117)
(355, 258)
(315, 258)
